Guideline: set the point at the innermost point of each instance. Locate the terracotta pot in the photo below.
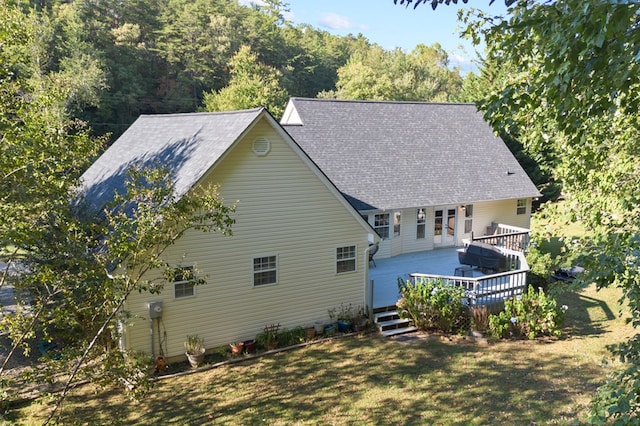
(311, 333)
(236, 348)
(161, 364)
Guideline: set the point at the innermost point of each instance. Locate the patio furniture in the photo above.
(372, 253)
(463, 271)
(568, 274)
(484, 256)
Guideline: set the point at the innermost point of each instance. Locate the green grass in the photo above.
(418, 379)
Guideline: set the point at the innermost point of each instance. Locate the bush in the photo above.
(432, 304)
(530, 315)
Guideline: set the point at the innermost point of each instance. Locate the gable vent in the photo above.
(261, 146)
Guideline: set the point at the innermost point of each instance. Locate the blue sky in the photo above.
(391, 25)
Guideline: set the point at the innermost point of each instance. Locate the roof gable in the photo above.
(188, 145)
(385, 155)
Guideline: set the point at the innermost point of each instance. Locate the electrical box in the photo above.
(155, 309)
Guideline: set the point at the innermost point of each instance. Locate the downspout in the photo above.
(121, 327)
(366, 277)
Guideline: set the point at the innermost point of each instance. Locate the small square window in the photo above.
(265, 270)
(345, 259)
(521, 207)
(184, 282)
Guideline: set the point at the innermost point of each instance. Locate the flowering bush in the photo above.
(432, 304)
(530, 315)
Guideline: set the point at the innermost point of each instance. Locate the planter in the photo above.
(236, 348)
(195, 359)
(329, 330)
(344, 326)
(250, 346)
(319, 327)
(311, 333)
(161, 364)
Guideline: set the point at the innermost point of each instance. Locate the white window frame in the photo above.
(397, 222)
(182, 287)
(468, 218)
(421, 224)
(346, 259)
(381, 223)
(521, 206)
(266, 266)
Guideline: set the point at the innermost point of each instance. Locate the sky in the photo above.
(391, 25)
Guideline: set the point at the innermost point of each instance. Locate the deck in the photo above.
(442, 263)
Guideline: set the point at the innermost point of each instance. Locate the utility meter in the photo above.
(155, 309)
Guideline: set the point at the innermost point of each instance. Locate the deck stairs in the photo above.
(389, 322)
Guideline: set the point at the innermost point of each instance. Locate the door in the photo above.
(444, 227)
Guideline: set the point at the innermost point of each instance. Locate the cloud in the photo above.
(288, 16)
(466, 64)
(337, 22)
(250, 2)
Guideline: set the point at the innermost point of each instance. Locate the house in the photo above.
(298, 247)
(424, 175)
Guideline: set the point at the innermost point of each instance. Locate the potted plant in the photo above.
(236, 348)
(194, 346)
(343, 317)
(269, 338)
(250, 345)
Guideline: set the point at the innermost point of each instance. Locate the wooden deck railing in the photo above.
(489, 289)
(506, 236)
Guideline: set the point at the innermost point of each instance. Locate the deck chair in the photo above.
(372, 253)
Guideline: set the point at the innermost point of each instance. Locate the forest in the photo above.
(124, 59)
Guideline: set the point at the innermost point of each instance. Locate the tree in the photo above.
(69, 291)
(572, 96)
(374, 73)
(252, 84)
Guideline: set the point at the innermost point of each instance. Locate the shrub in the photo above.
(292, 337)
(432, 304)
(530, 315)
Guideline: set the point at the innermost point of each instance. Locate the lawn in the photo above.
(414, 379)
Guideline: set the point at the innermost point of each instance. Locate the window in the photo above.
(521, 206)
(345, 259)
(468, 218)
(184, 282)
(421, 223)
(265, 270)
(397, 216)
(381, 224)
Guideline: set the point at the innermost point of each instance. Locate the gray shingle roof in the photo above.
(387, 155)
(186, 144)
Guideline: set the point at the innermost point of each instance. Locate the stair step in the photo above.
(382, 316)
(397, 331)
(393, 322)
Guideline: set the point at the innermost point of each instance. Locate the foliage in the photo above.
(346, 312)
(252, 85)
(574, 100)
(530, 315)
(374, 73)
(317, 384)
(269, 338)
(194, 345)
(432, 304)
(290, 337)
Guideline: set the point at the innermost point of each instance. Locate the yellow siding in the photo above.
(283, 210)
(503, 211)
